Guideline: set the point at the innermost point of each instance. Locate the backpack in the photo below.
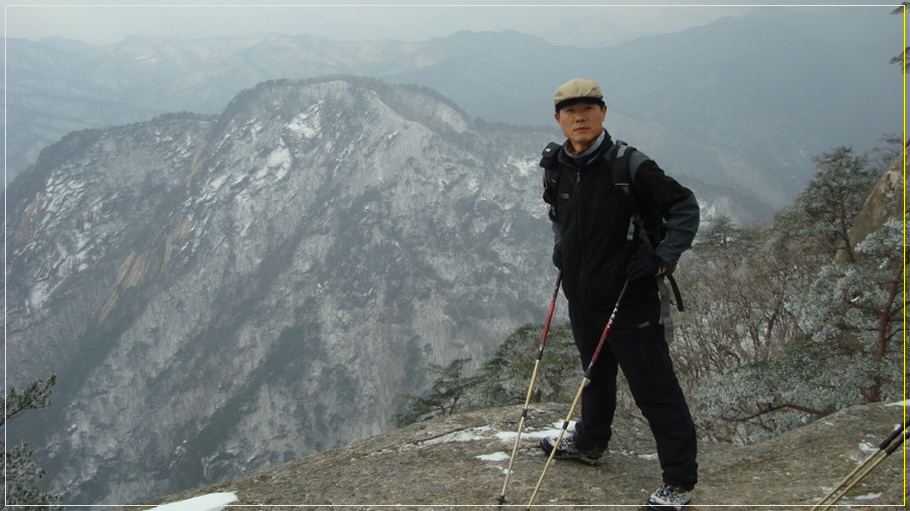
(624, 162)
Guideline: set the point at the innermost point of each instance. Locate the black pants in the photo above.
(636, 344)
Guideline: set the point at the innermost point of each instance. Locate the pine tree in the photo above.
(855, 311)
(21, 471)
(443, 397)
(835, 195)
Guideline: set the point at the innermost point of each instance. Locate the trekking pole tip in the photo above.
(502, 500)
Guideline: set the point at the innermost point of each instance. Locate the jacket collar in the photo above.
(589, 155)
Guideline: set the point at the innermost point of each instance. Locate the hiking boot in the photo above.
(670, 496)
(568, 450)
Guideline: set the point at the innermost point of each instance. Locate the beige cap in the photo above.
(577, 89)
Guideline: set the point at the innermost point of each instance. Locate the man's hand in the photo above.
(643, 263)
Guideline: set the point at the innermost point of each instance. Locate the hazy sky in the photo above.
(571, 25)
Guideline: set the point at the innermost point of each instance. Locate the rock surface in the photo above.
(460, 461)
(886, 202)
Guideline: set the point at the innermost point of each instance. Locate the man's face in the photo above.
(581, 123)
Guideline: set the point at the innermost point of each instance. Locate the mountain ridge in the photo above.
(291, 264)
(752, 123)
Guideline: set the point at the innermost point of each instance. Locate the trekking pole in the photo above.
(888, 446)
(584, 383)
(524, 411)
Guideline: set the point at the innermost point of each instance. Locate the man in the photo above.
(597, 253)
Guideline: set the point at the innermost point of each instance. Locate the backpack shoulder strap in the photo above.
(625, 161)
(550, 166)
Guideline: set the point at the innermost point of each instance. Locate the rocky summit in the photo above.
(460, 461)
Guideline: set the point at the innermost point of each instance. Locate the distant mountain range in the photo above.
(741, 104)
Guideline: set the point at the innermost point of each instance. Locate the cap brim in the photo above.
(571, 101)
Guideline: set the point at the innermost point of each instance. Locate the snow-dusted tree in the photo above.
(20, 471)
(721, 233)
(848, 350)
(856, 311)
(835, 195)
(757, 294)
(734, 285)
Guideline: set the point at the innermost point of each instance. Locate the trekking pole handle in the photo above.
(897, 444)
(867, 470)
(886, 442)
(885, 449)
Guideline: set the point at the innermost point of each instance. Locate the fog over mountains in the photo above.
(259, 279)
(742, 103)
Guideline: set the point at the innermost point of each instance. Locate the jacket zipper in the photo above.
(579, 239)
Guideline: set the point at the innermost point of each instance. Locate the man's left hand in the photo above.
(643, 263)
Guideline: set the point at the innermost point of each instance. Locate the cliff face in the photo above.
(886, 202)
(460, 460)
(219, 294)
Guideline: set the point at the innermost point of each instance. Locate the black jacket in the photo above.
(591, 226)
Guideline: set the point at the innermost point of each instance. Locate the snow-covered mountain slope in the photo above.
(224, 293)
